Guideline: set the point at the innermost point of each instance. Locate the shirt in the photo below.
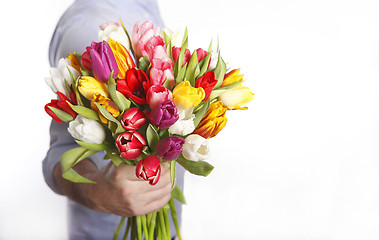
(76, 29)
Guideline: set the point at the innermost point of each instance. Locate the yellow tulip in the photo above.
(89, 85)
(105, 102)
(213, 121)
(236, 97)
(122, 56)
(186, 96)
(232, 77)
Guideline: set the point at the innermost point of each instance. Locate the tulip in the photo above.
(113, 30)
(201, 54)
(122, 56)
(213, 121)
(232, 77)
(61, 105)
(155, 48)
(236, 97)
(164, 115)
(176, 38)
(185, 124)
(89, 85)
(103, 61)
(176, 52)
(157, 94)
(130, 144)
(195, 148)
(207, 82)
(61, 75)
(149, 169)
(213, 62)
(74, 61)
(133, 118)
(141, 35)
(162, 70)
(134, 86)
(105, 102)
(185, 96)
(86, 130)
(85, 59)
(170, 148)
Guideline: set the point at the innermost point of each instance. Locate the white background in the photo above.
(301, 163)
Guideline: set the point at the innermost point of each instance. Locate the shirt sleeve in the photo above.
(74, 39)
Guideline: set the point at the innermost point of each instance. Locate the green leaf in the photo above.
(85, 112)
(178, 65)
(205, 62)
(167, 40)
(178, 195)
(199, 168)
(172, 172)
(93, 146)
(120, 100)
(127, 34)
(193, 69)
(75, 88)
(143, 63)
(201, 112)
(62, 115)
(220, 70)
(109, 116)
(117, 160)
(152, 136)
(72, 157)
(182, 72)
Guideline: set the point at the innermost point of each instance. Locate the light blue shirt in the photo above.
(76, 29)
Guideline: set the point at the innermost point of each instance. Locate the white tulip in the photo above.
(185, 124)
(236, 97)
(61, 74)
(176, 37)
(86, 130)
(195, 148)
(213, 62)
(116, 32)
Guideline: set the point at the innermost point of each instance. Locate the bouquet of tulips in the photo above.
(144, 100)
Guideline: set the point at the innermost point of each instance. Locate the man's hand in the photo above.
(117, 189)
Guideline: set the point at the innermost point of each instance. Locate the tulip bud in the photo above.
(207, 82)
(164, 115)
(236, 97)
(156, 95)
(103, 61)
(170, 148)
(105, 102)
(195, 148)
(232, 77)
(113, 30)
(213, 121)
(133, 118)
(149, 169)
(86, 130)
(130, 144)
(89, 85)
(122, 56)
(185, 96)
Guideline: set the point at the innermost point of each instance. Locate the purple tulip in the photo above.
(170, 148)
(103, 61)
(164, 115)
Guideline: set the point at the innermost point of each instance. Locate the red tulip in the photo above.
(201, 54)
(85, 59)
(130, 144)
(61, 105)
(176, 52)
(134, 86)
(207, 82)
(133, 118)
(149, 169)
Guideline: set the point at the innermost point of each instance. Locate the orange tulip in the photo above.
(123, 58)
(105, 102)
(213, 121)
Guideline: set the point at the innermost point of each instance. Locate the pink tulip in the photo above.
(176, 52)
(161, 71)
(141, 35)
(130, 144)
(133, 119)
(149, 169)
(156, 95)
(201, 54)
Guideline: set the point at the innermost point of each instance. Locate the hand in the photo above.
(117, 189)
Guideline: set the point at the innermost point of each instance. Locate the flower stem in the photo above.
(144, 226)
(127, 229)
(139, 227)
(174, 217)
(117, 232)
(152, 225)
(162, 225)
